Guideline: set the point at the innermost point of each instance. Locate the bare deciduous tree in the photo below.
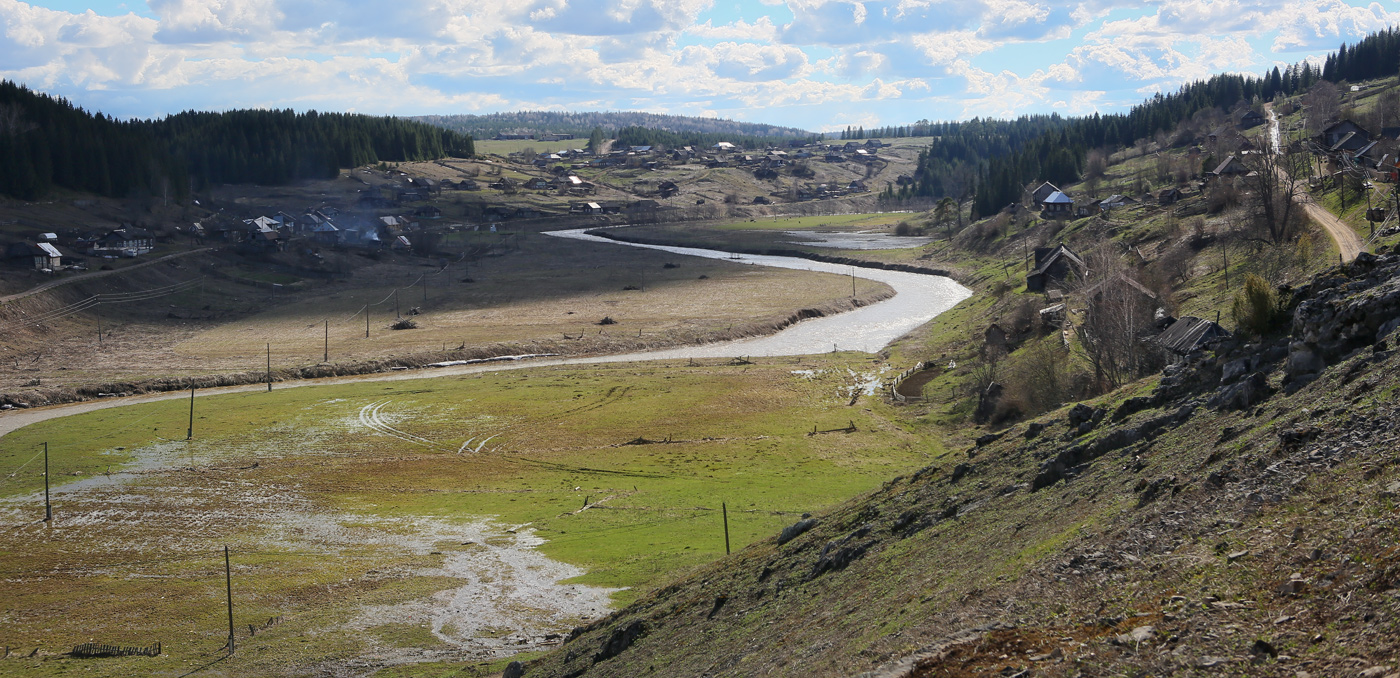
(1117, 313)
(1276, 187)
(1323, 101)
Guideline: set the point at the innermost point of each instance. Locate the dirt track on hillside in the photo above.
(1348, 243)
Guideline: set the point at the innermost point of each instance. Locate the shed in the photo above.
(1190, 333)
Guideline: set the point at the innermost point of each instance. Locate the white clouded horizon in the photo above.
(816, 64)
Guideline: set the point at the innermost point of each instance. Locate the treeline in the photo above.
(47, 143)
(582, 123)
(1058, 157)
(950, 165)
(648, 136)
(1375, 56)
(277, 147)
(1003, 156)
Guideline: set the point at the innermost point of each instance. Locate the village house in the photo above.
(1250, 118)
(1042, 192)
(1190, 334)
(42, 256)
(127, 241)
(1053, 265)
(1344, 135)
(1058, 206)
(1230, 167)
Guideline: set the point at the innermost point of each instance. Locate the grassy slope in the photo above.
(1190, 532)
(746, 615)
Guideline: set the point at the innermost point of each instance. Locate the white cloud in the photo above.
(762, 29)
(915, 58)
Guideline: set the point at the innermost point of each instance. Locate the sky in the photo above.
(820, 65)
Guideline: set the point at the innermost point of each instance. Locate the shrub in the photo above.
(405, 324)
(1256, 308)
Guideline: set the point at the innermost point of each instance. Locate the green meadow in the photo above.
(625, 471)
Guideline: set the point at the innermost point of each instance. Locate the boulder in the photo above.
(1303, 358)
(792, 531)
(1241, 396)
(1234, 370)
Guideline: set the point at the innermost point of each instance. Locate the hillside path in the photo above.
(95, 274)
(1348, 243)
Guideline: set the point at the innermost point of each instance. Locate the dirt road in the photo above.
(1348, 243)
(96, 274)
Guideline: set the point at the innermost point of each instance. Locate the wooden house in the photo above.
(1059, 205)
(1042, 192)
(1053, 265)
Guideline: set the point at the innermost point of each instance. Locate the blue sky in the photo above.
(816, 64)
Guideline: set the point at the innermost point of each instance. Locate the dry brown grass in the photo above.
(547, 296)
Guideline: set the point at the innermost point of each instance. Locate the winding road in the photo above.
(1348, 243)
(918, 299)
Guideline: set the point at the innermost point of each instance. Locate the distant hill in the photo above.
(46, 142)
(582, 123)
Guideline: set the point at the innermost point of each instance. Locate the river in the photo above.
(918, 299)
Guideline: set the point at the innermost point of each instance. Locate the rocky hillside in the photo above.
(1233, 515)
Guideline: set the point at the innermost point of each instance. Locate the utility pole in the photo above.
(189, 435)
(396, 304)
(99, 333)
(228, 587)
(269, 367)
(48, 508)
(853, 282)
(366, 321)
(327, 356)
(725, 511)
(425, 289)
(1224, 256)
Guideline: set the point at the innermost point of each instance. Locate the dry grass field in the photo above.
(529, 294)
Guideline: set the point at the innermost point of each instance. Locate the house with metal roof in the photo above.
(1189, 334)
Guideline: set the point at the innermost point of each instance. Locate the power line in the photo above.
(97, 300)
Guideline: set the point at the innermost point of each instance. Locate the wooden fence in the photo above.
(893, 387)
(103, 650)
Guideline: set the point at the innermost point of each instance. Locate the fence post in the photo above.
(725, 511)
(228, 585)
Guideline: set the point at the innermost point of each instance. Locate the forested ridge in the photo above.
(582, 123)
(994, 159)
(48, 143)
(647, 136)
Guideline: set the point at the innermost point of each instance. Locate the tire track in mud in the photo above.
(371, 417)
